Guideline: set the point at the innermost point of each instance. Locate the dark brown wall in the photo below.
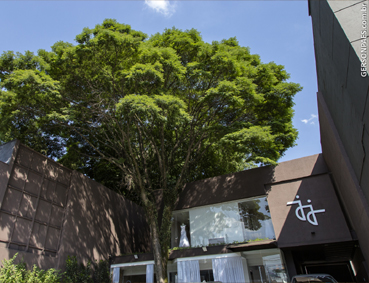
(343, 116)
(307, 177)
(100, 223)
(49, 212)
(33, 207)
(348, 188)
(249, 183)
(292, 232)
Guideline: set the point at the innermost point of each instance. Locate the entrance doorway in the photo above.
(342, 272)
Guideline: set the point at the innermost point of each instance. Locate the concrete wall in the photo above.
(48, 212)
(350, 15)
(343, 107)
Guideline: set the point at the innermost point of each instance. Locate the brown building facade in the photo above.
(270, 222)
(48, 212)
(265, 224)
(341, 51)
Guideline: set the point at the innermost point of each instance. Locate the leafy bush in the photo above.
(18, 273)
(12, 273)
(77, 272)
(102, 272)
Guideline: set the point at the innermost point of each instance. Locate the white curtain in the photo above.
(116, 272)
(228, 270)
(188, 271)
(150, 273)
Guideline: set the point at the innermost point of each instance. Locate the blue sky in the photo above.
(278, 31)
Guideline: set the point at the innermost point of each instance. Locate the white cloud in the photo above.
(161, 6)
(311, 119)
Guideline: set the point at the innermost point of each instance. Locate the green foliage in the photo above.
(102, 272)
(11, 272)
(148, 115)
(17, 273)
(77, 272)
(236, 110)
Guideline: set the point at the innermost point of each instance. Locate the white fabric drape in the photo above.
(188, 271)
(150, 273)
(228, 270)
(116, 272)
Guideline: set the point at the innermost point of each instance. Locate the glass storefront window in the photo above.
(265, 266)
(255, 216)
(133, 274)
(260, 266)
(230, 222)
(206, 271)
(179, 219)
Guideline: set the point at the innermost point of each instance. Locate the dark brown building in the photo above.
(340, 30)
(268, 224)
(265, 224)
(48, 212)
(309, 215)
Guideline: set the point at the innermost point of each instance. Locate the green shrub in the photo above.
(37, 275)
(77, 273)
(12, 273)
(18, 273)
(102, 272)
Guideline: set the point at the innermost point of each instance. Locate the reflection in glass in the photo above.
(255, 216)
(224, 223)
(134, 274)
(215, 224)
(265, 266)
(180, 218)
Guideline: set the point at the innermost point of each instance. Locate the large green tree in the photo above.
(147, 115)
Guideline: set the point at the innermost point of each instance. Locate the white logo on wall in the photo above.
(300, 213)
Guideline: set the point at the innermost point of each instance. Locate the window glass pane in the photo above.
(180, 218)
(133, 274)
(215, 224)
(206, 271)
(255, 216)
(206, 275)
(223, 223)
(265, 266)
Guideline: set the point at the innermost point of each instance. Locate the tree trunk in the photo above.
(160, 259)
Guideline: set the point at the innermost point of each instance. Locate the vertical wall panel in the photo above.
(38, 235)
(22, 231)
(28, 206)
(60, 194)
(33, 184)
(18, 177)
(11, 200)
(56, 216)
(52, 238)
(6, 222)
(43, 211)
(24, 157)
(38, 163)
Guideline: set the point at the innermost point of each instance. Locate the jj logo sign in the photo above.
(300, 212)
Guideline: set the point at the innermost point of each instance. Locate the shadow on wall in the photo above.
(240, 185)
(32, 208)
(49, 212)
(307, 217)
(248, 183)
(100, 223)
